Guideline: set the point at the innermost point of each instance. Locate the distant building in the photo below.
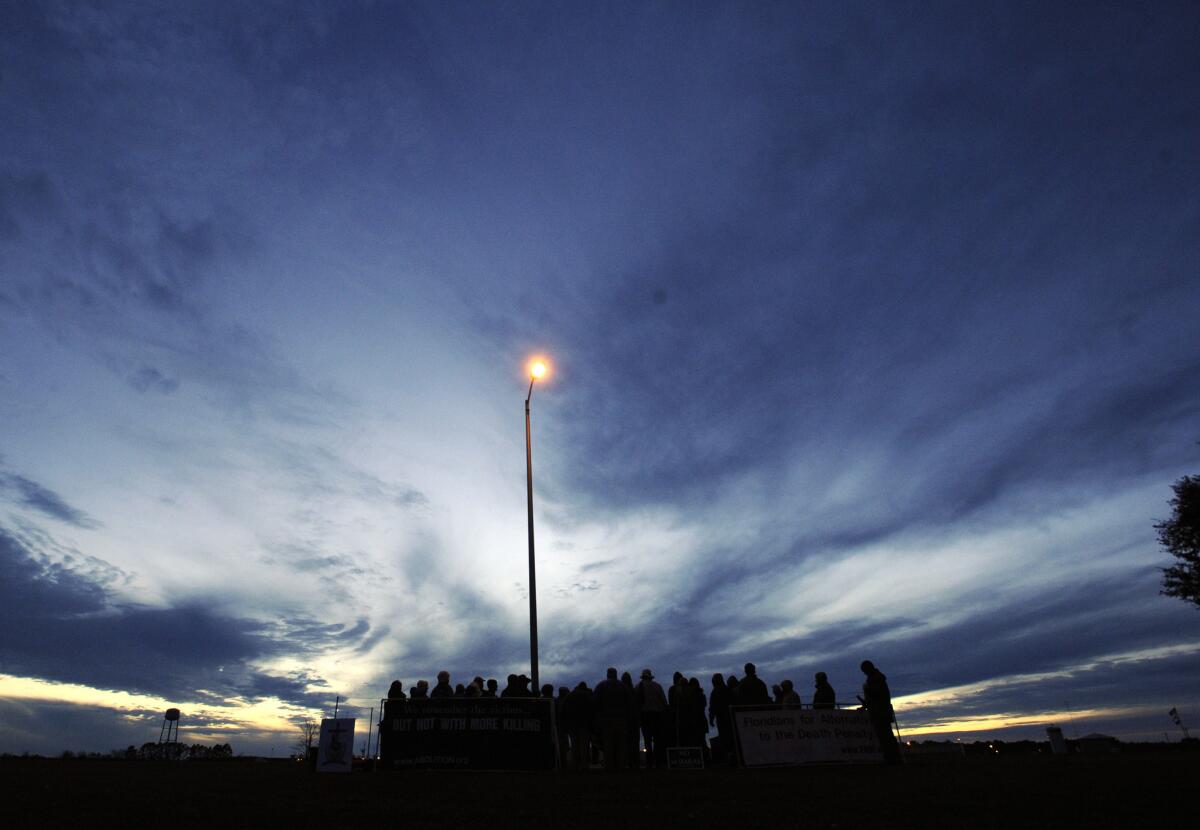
(1058, 744)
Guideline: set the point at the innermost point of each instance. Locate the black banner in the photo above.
(468, 733)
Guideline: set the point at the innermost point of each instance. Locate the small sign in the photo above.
(336, 752)
(685, 757)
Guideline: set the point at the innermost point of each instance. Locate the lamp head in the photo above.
(538, 369)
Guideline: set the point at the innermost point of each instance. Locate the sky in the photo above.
(872, 334)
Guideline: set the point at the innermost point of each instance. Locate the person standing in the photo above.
(654, 706)
(877, 700)
(562, 730)
(633, 724)
(752, 690)
(788, 695)
(579, 714)
(824, 697)
(692, 723)
(443, 687)
(612, 718)
(718, 716)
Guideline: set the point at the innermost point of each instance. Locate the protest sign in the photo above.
(468, 733)
(335, 751)
(778, 735)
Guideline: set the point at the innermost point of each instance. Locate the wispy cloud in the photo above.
(35, 496)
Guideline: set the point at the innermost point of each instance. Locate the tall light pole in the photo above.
(536, 370)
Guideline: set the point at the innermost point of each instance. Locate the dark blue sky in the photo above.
(872, 331)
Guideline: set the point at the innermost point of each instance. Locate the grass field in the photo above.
(1122, 790)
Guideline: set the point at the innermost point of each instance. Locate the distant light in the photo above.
(538, 369)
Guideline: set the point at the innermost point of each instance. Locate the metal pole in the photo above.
(370, 724)
(533, 640)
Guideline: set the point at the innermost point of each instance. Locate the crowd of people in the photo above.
(631, 725)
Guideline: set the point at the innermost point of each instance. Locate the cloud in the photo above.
(66, 627)
(43, 728)
(149, 379)
(37, 497)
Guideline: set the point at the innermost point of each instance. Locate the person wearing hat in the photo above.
(654, 705)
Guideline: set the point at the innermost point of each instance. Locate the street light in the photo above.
(537, 370)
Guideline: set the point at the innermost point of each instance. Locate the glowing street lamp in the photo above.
(537, 371)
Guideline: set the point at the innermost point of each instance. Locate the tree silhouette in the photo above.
(1180, 535)
(309, 730)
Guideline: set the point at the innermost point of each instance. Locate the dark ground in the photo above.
(1129, 790)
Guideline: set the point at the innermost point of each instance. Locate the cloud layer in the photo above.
(868, 332)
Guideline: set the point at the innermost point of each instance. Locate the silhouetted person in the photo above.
(732, 684)
(788, 695)
(478, 682)
(421, 690)
(653, 701)
(512, 688)
(776, 693)
(612, 718)
(474, 690)
(633, 724)
(678, 684)
(492, 686)
(579, 714)
(824, 697)
(548, 691)
(718, 716)
(692, 723)
(877, 700)
(751, 690)
(560, 724)
(460, 690)
(443, 687)
(395, 694)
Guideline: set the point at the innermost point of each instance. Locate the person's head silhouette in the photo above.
(750, 670)
(611, 674)
(867, 667)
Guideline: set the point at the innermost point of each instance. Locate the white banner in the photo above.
(336, 753)
(771, 735)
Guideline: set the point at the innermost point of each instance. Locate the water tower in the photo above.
(169, 734)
